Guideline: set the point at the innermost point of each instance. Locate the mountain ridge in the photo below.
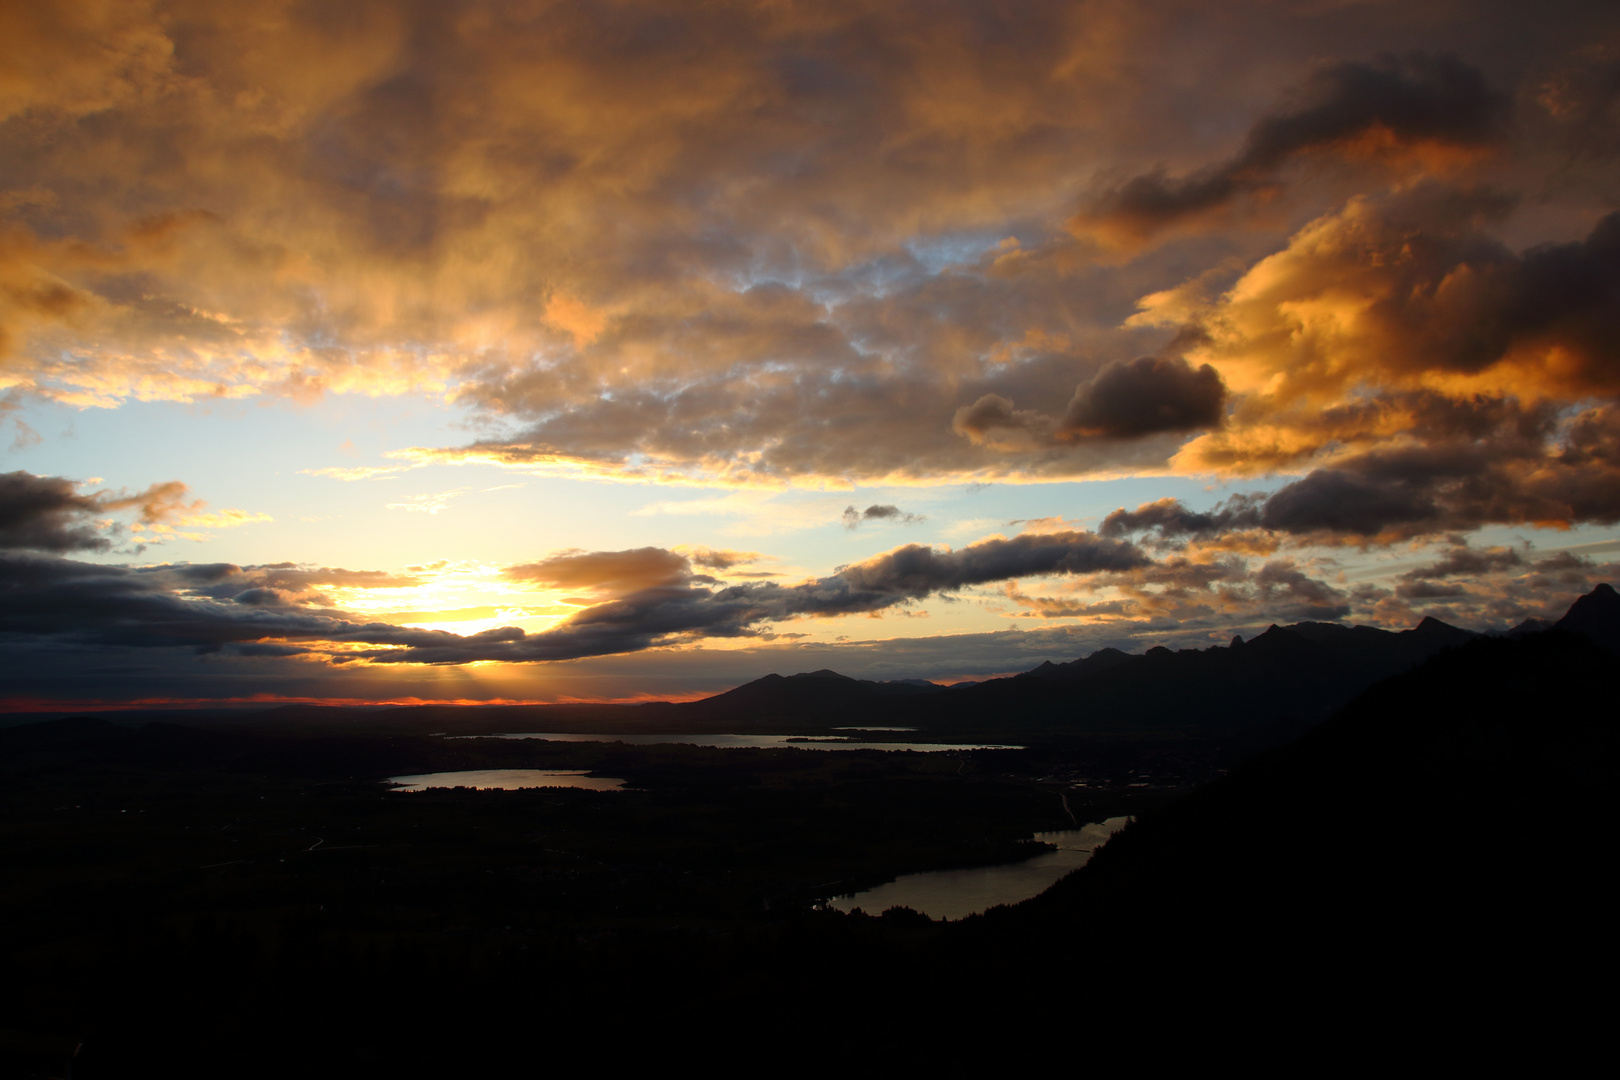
(1297, 674)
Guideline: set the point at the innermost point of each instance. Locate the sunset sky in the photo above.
(472, 351)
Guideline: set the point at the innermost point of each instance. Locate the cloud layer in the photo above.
(1391, 108)
(752, 243)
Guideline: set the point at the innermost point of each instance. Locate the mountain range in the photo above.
(1290, 675)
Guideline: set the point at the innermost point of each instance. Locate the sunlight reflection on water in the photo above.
(508, 780)
(956, 894)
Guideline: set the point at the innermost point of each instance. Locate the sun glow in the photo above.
(459, 598)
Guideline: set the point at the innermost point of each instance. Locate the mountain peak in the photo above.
(1596, 615)
(824, 673)
(1432, 627)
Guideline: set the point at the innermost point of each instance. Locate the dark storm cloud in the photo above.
(70, 603)
(1568, 295)
(1353, 108)
(47, 513)
(1336, 501)
(1146, 396)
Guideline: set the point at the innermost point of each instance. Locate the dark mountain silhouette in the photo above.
(1286, 678)
(1432, 851)
(1595, 616)
(1296, 674)
(1300, 672)
(1101, 660)
(824, 694)
(1531, 625)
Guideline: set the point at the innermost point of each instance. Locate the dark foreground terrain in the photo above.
(1425, 874)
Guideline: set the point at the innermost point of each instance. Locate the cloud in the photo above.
(1337, 501)
(1122, 402)
(607, 572)
(1352, 109)
(1421, 375)
(69, 603)
(46, 513)
(780, 246)
(719, 560)
(1493, 463)
(672, 606)
(1144, 397)
(1407, 295)
(852, 517)
(1213, 595)
(1464, 560)
(49, 513)
(639, 599)
(993, 421)
(1171, 518)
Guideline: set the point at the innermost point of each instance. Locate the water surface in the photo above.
(508, 780)
(875, 727)
(956, 894)
(802, 742)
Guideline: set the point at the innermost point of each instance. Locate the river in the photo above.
(956, 894)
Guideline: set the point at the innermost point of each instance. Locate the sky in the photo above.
(393, 352)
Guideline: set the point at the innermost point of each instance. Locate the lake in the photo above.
(956, 894)
(508, 780)
(800, 742)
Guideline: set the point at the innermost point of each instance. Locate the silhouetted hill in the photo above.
(1286, 678)
(1295, 674)
(1531, 625)
(1101, 660)
(1595, 616)
(1430, 852)
(814, 695)
(1475, 752)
